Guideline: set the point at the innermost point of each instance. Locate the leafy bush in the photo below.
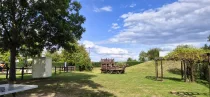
(133, 63)
(130, 63)
(121, 64)
(57, 64)
(96, 64)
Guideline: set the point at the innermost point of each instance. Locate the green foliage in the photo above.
(132, 63)
(130, 59)
(79, 57)
(142, 56)
(121, 64)
(28, 26)
(153, 53)
(129, 63)
(96, 64)
(4, 56)
(186, 52)
(56, 57)
(57, 64)
(206, 47)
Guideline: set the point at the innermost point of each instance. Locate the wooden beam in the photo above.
(185, 71)
(161, 69)
(156, 69)
(182, 71)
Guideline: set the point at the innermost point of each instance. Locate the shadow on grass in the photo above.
(175, 71)
(65, 85)
(203, 82)
(188, 94)
(169, 78)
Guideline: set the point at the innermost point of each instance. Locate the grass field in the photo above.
(138, 81)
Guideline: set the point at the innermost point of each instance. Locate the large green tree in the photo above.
(129, 59)
(32, 25)
(206, 47)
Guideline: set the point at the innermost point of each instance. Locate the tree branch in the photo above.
(2, 22)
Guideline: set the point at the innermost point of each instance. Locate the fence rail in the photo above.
(23, 70)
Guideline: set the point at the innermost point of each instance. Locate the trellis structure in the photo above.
(208, 56)
(159, 78)
(187, 67)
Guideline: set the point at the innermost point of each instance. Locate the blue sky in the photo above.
(123, 28)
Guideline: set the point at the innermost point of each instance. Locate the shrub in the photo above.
(133, 63)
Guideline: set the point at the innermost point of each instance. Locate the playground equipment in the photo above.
(108, 66)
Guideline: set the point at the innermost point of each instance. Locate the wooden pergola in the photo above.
(186, 67)
(208, 56)
(159, 78)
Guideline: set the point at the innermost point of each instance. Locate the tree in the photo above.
(209, 38)
(129, 59)
(56, 57)
(206, 47)
(183, 52)
(153, 53)
(32, 25)
(78, 57)
(142, 56)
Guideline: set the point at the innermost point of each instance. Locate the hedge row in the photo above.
(133, 63)
(98, 64)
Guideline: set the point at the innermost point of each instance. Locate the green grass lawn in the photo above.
(138, 81)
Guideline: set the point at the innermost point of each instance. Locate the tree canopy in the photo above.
(187, 52)
(142, 56)
(78, 56)
(29, 26)
(153, 53)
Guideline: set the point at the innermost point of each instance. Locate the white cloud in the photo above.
(115, 26)
(104, 50)
(184, 21)
(105, 8)
(98, 52)
(132, 5)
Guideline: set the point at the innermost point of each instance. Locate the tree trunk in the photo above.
(12, 70)
(182, 71)
(192, 73)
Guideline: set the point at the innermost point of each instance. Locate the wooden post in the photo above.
(182, 69)
(55, 69)
(208, 54)
(67, 68)
(22, 73)
(74, 68)
(156, 69)
(192, 72)
(7, 72)
(60, 69)
(161, 69)
(185, 71)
